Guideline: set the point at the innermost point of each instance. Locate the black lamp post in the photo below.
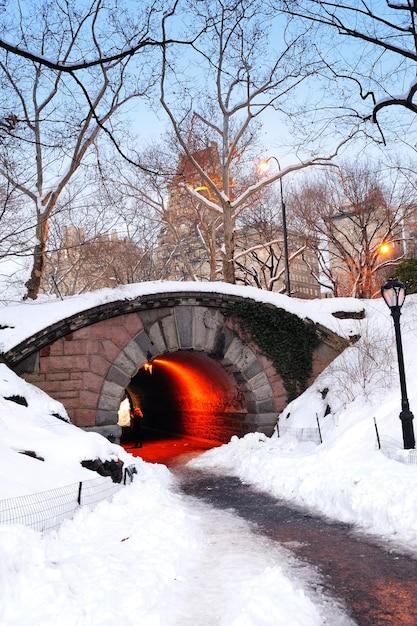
(264, 163)
(285, 237)
(394, 292)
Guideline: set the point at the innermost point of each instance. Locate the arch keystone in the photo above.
(184, 322)
(156, 337)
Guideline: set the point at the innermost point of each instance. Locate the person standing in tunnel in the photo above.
(136, 417)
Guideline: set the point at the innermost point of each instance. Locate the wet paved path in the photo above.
(169, 449)
(377, 586)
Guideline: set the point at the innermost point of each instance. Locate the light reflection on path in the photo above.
(377, 585)
(230, 582)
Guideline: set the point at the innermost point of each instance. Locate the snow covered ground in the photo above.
(153, 557)
(345, 478)
(150, 556)
(40, 427)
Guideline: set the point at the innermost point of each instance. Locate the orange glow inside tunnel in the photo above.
(196, 385)
(188, 393)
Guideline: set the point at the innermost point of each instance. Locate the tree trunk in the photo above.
(39, 257)
(229, 246)
(211, 238)
(213, 266)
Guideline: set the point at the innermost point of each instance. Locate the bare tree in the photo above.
(262, 264)
(96, 16)
(57, 129)
(355, 226)
(240, 84)
(259, 255)
(189, 237)
(124, 34)
(81, 264)
(382, 33)
(363, 368)
(98, 237)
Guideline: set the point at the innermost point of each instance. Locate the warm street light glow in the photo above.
(384, 248)
(263, 166)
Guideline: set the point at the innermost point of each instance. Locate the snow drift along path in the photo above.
(155, 558)
(346, 477)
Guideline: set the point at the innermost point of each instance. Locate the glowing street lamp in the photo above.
(263, 167)
(394, 293)
(384, 248)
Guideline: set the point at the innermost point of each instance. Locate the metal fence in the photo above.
(46, 510)
(301, 434)
(390, 447)
(393, 449)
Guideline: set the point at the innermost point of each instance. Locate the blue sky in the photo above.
(277, 136)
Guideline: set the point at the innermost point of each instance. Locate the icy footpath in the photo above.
(154, 558)
(244, 579)
(346, 478)
(341, 480)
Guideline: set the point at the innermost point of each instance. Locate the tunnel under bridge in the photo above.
(207, 378)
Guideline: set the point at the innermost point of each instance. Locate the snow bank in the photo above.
(109, 566)
(23, 320)
(346, 477)
(264, 601)
(35, 428)
(155, 558)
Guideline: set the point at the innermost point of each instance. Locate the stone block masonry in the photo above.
(73, 369)
(89, 368)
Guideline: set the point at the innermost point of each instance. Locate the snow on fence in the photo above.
(301, 434)
(392, 449)
(46, 510)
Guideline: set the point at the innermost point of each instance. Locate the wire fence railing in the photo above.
(310, 433)
(392, 448)
(301, 434)
(46, 510)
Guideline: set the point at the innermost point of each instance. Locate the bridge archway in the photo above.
(87, 360)
(190, 393)
(214, 385)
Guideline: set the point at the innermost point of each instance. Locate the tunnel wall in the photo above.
(189, 392)
(74, 368)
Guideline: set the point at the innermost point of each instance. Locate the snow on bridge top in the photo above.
(22, 321)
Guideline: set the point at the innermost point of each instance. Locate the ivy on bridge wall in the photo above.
(281, 337)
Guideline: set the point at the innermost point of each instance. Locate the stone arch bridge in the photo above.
(207, 380)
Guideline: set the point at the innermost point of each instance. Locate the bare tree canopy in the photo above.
(55, 130)
(355, 219)
(94, 20)
(240, 77)
(383, 33)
